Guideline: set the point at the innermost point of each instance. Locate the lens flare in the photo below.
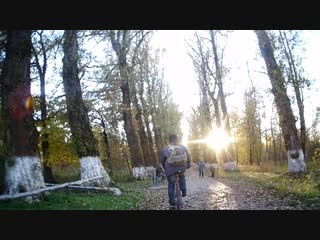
(29, 103)
(219, 139)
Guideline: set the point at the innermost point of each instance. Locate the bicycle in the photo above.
(178, 195)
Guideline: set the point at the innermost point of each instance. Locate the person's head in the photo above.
(173, 139)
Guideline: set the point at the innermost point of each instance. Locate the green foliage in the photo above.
(66, 172)
(170, 120)
(316, 156)
(314, 164)
(61, 150)
(123, 178)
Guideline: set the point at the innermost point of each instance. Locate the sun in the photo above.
(218, 139)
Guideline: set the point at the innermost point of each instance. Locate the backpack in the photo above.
(176, 155)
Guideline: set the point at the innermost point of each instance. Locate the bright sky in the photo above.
(242, 47)
(179, 71)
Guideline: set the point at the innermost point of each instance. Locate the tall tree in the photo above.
(3, 37)
(295, 79)
(200, 59)
(219, 78)
(144, 73)
(106, 142)
(296, 161)
(42, 47)
(195, 134)
(141, 127)
(250, 123)
(85, 143)
(121, 41)
(23, 168)
(164, 115)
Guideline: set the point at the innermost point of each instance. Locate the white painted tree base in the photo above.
(142, 173)
(230, 166)
(23, 174)
(296, 165)
(92, 167)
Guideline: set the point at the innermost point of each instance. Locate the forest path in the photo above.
(220, 193)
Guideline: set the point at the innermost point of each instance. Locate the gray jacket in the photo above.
(169, 169)
(202, 166)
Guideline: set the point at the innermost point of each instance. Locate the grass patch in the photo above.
(304, 187)
(73, 200)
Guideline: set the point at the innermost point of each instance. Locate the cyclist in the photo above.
(160, 176)
(171, 169)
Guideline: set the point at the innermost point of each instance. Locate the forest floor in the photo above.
(223, 193)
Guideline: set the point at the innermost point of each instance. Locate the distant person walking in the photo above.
(202, 167)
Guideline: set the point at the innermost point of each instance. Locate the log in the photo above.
(160, 187)
(35, 192)
(107, 189)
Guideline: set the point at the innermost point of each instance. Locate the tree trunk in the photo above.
(274, 144)
(295, 82)
(85, 143)
(141, 130)
(48, 176)
(229, 149)
(121, 47)
(250, 153)
(157, 137)
(106, 142)
(260, 142)
(251, 139)
(146, 113)
(220, 84)
(22, 162)
(47, 173)
(236, 151)
(205, 111)
(155, 126)
(129, 127)
(296, 161)
(267, 147)
(154, 156)
(281, 153)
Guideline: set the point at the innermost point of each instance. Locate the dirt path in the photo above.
(220, 194)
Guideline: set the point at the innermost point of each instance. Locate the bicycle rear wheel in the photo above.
(178, 197)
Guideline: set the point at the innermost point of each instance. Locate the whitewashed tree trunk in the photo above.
(91, 167)
(23, 174)
(142, 173)
(297, 164)
(230, 166)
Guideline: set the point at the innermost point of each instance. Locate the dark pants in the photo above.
(200, 173)
(171, 187)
